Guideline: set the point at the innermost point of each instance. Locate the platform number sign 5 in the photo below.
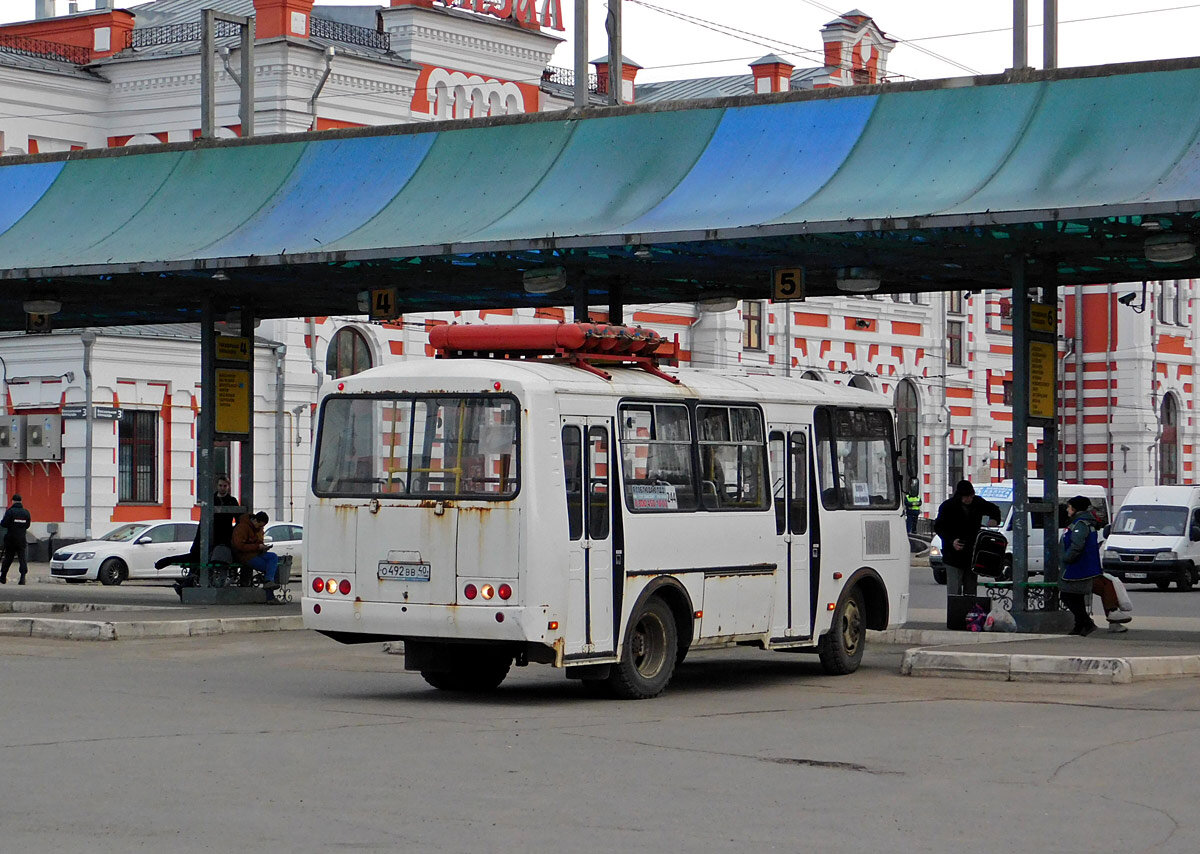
(788, 285)
(384, 304)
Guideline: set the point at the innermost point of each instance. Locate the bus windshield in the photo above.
(1151, 520)
(856, 458)
(436, 445)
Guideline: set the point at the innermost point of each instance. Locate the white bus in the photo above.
(488, 511)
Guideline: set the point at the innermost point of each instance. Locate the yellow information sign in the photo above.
(789, 285)
(385, 304)
(1042, 318)
(233, 401)
(232, 349)
(1041, 379)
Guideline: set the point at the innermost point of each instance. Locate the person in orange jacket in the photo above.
(249, 549)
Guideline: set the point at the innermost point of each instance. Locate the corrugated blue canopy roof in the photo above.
(935, 185)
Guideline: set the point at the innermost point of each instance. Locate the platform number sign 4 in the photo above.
(384, 304)
(788, 284)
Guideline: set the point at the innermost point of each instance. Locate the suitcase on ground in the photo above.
(988, 558)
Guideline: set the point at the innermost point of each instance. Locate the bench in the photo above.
(1037, 595)
(222, 574)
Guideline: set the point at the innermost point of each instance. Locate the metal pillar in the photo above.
(208, 72)
(1020, 34)
(1024, 335)
(246, 462)
(616, 306)
(208, 427)
(615, 60)
(581, 300)
(581, 60)
(1050, 34)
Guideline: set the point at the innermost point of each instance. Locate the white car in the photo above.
(286, 538)
(128, 551)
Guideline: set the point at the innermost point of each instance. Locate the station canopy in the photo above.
(928, 186)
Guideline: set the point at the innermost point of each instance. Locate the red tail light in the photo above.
(344, 587)
(318, 585)
(470, 592)
(504, 592)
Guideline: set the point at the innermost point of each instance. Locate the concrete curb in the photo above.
(100, 630)
(1102, 670)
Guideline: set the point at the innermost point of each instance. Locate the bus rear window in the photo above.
(856, 459)
(435, 446)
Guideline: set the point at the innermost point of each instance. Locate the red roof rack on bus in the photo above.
(584, 345)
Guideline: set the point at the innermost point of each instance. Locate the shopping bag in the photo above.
(1123, 599)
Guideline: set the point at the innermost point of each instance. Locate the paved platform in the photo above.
(1152, 648)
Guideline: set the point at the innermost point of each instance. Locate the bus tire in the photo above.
(649, 655)
(841, 648)
(472, 671)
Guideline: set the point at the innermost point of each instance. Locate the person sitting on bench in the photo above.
(249, 550)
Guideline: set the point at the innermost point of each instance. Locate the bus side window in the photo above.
(572, 447)
(598, 514)
(798, 500)
(778, 481)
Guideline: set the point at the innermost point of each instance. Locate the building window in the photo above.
(957, 466)
(1168, 443)
(1008, 459)
(954, 302)
(752, 318)
(954, 342)
(908, 432)
(137, 457)
(1008, 397)
(348, 353)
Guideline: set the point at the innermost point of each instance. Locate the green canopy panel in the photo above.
(932, 185)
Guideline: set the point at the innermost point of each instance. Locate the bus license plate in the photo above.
(1135, 575)
(403, 571)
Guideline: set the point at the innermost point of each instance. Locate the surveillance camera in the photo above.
(1127, 299)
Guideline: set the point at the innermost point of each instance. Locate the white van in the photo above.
(1156, 537)
(1001, 494)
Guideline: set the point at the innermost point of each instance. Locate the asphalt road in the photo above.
(290, 742)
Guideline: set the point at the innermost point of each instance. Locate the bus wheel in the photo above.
(471, 671)
(648, 660)
(841, 648)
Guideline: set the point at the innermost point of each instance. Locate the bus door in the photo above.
(588, 482)
(790, 488)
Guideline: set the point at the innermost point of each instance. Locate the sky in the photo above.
(723, 36)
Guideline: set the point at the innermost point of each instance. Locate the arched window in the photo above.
(908, 432)
(859, 381)
(348, 353)
(811, 375)
(1168, 443)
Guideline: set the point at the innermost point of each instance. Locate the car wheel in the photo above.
(649, 655)
(939, 574)
(112, 571)
(841, 648)
(1162, 585)
(1187, 577)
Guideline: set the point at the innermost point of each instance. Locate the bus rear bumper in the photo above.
(388, 620)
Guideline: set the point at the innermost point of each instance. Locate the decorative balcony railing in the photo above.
(25, 46)
(566, 77)
(349, 34)
(175, 34)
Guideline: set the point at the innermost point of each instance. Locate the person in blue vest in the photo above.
(1080, 563)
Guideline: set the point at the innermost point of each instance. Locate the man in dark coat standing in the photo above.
(958, 522)
(15, 523)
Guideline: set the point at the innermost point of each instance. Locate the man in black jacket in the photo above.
(958, 522)
(15, 524)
